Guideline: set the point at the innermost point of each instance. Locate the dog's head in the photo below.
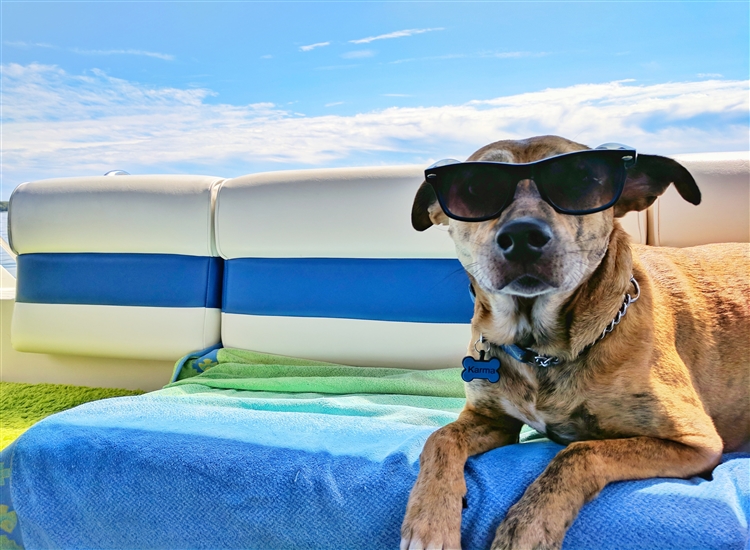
(531, 249)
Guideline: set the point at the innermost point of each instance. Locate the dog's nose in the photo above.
(522, 240)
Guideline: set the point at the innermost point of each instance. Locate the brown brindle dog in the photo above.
(662, 395)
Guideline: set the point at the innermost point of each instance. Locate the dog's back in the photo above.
(702, 293)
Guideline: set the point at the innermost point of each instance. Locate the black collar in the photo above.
(531, 357)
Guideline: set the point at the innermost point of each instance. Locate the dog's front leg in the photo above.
(433, 513)
(541, 517)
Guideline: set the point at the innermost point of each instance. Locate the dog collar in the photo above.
(531, 357)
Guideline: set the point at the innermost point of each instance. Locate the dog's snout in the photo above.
(522, 240)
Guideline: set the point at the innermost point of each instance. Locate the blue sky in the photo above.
(226, 88)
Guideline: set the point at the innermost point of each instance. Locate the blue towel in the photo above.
(186, 468)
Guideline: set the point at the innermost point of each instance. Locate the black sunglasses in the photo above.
(576, 183)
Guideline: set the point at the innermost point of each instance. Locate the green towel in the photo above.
(273, 383)
(247, 370)
(247, 379)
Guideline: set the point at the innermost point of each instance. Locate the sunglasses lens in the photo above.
(577, 183)
(581, 183)
(473, 191)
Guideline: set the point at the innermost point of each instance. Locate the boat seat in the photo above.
(325, 265)
(116, 266)
(724, 212)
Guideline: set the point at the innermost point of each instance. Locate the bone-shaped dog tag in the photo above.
(487, 370)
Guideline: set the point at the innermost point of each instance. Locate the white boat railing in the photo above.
(5, 246)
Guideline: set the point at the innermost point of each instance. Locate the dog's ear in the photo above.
(649, 178)
(426, 210)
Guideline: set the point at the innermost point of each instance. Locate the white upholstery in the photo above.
(85, 223)
(341, 212)
(636, 225)
(114, 331)
(337, 213)
(7, 285)
(724, 212)
(146, 214)
(350, 341)
(349, 213)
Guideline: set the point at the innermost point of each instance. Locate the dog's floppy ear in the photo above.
(426, 210)
(649, 178)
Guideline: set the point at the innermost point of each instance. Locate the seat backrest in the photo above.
(724, 212)
(324, 264)
(119, 266)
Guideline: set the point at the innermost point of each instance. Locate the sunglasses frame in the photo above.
(526, 171)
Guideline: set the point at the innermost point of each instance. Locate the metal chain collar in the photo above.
(623, 310)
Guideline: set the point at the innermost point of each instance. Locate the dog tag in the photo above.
(486, 370)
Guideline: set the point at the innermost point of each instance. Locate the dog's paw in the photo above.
(433, 543)
(432, 524)
(524, 531)
(417, 544)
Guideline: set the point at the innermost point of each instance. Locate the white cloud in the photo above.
(334, 103)
(164, 56)
(58, 124)
(396, 34)
(710, 75)
(358, 54)
(512, 55)
(26, 45)
(22, 44)
(485, 54)
(430, 58)
(336, 67)
(313, 46)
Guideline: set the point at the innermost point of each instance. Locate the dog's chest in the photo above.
(549, 401)
(527, 412)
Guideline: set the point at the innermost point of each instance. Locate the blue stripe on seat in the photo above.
(412, 290)
(157, 280)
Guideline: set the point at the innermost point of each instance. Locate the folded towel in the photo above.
(248, 370)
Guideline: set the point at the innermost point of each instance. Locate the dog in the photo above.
(660, 389)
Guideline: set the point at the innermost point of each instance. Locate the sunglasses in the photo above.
(576, 183)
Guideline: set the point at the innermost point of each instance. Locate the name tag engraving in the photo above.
(486, 370)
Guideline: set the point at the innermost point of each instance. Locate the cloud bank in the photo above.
(58, 124)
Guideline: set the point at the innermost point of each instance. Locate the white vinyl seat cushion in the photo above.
(324, 264)
(724, 212)
(121, 266)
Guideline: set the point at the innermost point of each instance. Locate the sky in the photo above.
(230, 88)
